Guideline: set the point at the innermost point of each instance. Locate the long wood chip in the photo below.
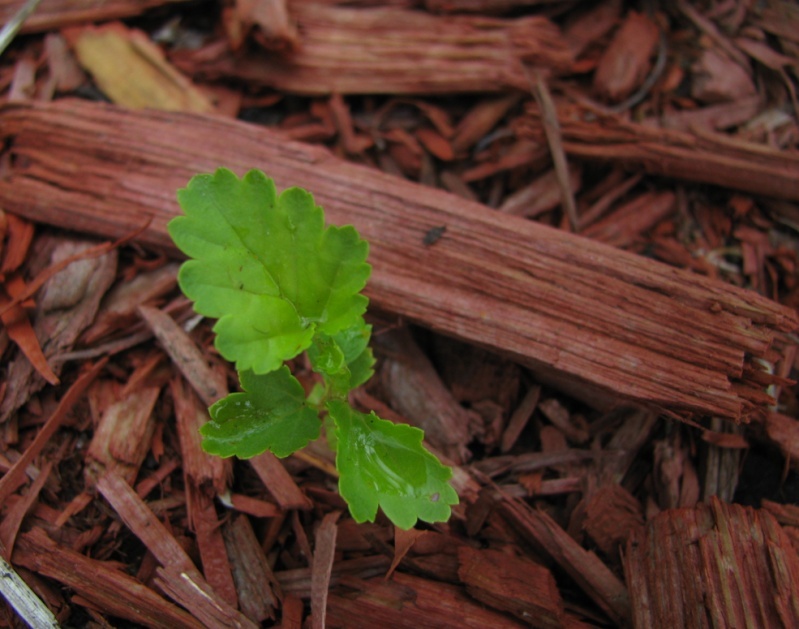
(179, 577)
(386, 50)
(324, 553)
(56, 14)
(107, 587)
(699, 156)
(209, 384)
(258, 589)
(594, 321)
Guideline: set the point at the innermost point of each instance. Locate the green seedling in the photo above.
(280, 282)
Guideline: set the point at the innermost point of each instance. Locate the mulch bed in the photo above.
(583, 224)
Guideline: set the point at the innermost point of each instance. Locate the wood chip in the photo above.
(201, 469)
(480, 120)
(275, 29)
(416, 392)
(593, 576)
(13, 477)
(209, 384)
(408, 601)
(213, 554)
(257, 587)
(611, 516)
(717, 78)
(179, 577)
(122, 439)
(683, 352)
(713, 117)
(132, 71)
(118, 309)
(56, 14)
(16, 513)
(19, 329)
(784, 431)
(626, 61)
(543, 194)
(20, 236)
(513, 584)
(297, 582)
(353, 51)
(520, 417)
(691, 566)
(64, 69)
(324, 554)
(104, 586)
(583, 29)
(699, 156)
(279, 482)
(630, 222)
(66, 305)
(22, 598)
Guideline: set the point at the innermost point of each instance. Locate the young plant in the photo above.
(279, 282)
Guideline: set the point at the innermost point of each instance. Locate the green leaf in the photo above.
(271, 414)
(266, 267)
(384, 464)
(344, 359)
(354, 344)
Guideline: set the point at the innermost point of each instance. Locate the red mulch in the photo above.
(666, 129)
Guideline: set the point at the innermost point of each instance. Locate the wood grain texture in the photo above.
(700, 156)
(600, 322)
(715, 564)
(101, 583)
(388, 50)
(55, 14)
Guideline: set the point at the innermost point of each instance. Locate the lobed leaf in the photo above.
(270, 414)
(267, 267)
(384, 464)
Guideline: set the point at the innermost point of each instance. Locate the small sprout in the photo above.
(282, 283)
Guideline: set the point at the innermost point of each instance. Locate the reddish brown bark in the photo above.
(595, 320)
(717, 563)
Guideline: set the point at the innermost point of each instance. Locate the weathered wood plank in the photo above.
(389, 50)
(598, 321)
